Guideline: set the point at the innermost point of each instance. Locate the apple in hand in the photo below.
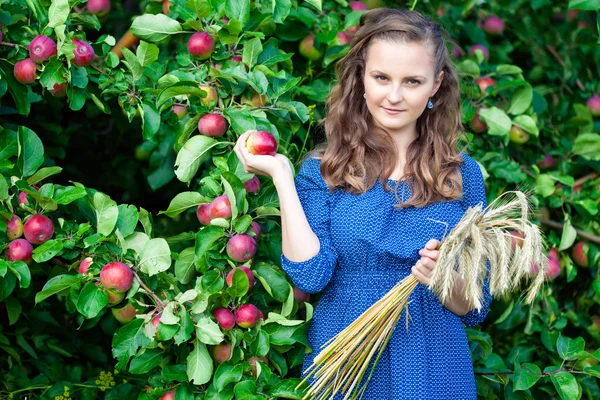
(261, 143)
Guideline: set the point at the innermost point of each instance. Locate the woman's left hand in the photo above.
(423, 269)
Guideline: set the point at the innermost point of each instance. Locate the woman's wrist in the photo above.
(457, 302)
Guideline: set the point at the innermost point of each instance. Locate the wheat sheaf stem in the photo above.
(481, 246)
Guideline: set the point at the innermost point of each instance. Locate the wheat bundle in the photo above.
(481, 236)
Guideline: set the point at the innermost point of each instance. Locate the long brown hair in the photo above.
(357, 153)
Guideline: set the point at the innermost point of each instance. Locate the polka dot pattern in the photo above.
(366, 248)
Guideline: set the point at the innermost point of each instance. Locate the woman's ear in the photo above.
(437, 83)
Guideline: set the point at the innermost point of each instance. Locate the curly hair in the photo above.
(357, 153)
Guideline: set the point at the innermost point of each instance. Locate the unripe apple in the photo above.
(25, 71)
(38, 229)
(125, 314)
(201, 45)
(253, 361)
(247, 316)
(247, 271)
(180, 111)
(547, 162)
(241, 248)
(255, 227)
(518, 135)
(593, 104)
(256, 100)
(224, 317)
(484, 83)
(308, 50)
(252, 185)
(19, 250)
(220, 207)
(477, 124)
(553, 268)
(210, 96)
(221, 352)
(114, 297)
(213, 125)
(42, 48)
(493, 25)
(84, 265)
(299, 295)
(580, 254)
(261, 143)
(166, 7)
(117, 276)
(341, 39)
(357, 6)
(203, 214)
(484, 50)
(84, 53)
(170, 395)
(98, 7)
(14, 227)
(59, 89)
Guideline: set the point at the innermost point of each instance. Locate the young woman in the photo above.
(393, 119)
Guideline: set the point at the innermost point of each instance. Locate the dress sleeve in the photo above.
(473, 194)
(312, 275)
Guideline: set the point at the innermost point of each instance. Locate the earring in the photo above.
(430, 104)
(365, 95)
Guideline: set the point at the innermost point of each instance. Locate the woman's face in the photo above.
(399, 80)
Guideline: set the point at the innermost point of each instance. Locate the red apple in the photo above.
(180, 110)
(572, 15)
(248, 273)
(308, 50)
(593, 104)
(98, 7)
(19, 250)
(255, 227)
(341, 39)
(300, 296)
(156, 321)
(553, 268)
(456, 52)
(241, 248)
(114, 297)
(253, 361)
(261, 143)
(477, 124)
(211, 95)
(221, 352)
(203, 214)
(493, 25)
(166, 7)
(224, 317)
(14, 227)
(59, 89)
(23, 197)
(236, 58)
(553, 253)
(201, 45)
(261, 315)
(484, 83)
(247, 316)
(84, 265)
(484, 50)
(252, 185)
(84, 53)
(547, 162)
(125, 314)
(357, 6)
(580, 254)
(534, 268)
(25, 71)
(38, 229)
(213, 125)
(42, 48)
(116, 276)
(170, 395)
(220, 207)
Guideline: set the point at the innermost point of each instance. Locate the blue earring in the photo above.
(430, 105)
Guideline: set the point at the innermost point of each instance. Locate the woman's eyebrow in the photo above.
(375, 71)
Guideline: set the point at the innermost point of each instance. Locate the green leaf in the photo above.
(521, 100)
(156, 257)
(178, 89)
(544, 185)
(187, 327)
(589, 5)
(506, 69)
(594, 371)
(16, 89)
(205, 238)
(150, 120)
(13, 309)
(238, 9)
(147, 53)
(527, 123)
(569, 234)
(252, 48)
(274, 283)
(127, 340)
(226, 374)
(193, 152)
(260, 346)
(286, 388)
(8, 143)
(54, 72)
(146, 362)
(43, 173)
(57, 284)
(208, 332)
(568, 348)
(7, 285)
(133, 63)
(281, 9)
(199, 364)
(31, 151)
(240, 120)
(154, 28)
(184, 266)
(587, 145)
(58, 13)
(199, 7)
(21, 271)
(566, 385)
(127, 219)
(182, 202)
(47, 250)
(79, 77)
(91, 300)
(526, 375)
(497, 121)
(3, 188)
(107, 213)
(67, 195)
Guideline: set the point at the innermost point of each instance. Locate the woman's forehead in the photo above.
(399, 58)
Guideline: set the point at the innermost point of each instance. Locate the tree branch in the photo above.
(580, 233)
(149, 291)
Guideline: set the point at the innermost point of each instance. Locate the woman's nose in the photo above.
(395, 95)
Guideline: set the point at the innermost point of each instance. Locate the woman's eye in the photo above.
(380, 76)
(416, 81)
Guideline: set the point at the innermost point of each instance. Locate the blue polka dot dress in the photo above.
(366, 248)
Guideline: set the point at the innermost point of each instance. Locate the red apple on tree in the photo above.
(484, 83)
(252, 361)
(553, 268)
(59, 89)
(241, 247)
(221, 352)
(213, 125)
(220, 207)
(201, 45)
(116, 276)
(224, 317)
(518, 135)
(203, 214)
(547, 162)
(256, 100)
(484, 50)
(252, 185)
(341, 39)
(211, 95)
(98, 7)
(247, 271)
(593, 104)
(84, 53)
(580, 254)
(41, 48)
(14, 227)
(261, 143)
(255, 227)
(25, 71)
(38, 229)
(493, 25)
(357, 6)
(180, 110)
(477, 124)
(247, 316)
(125, 314)
(299, 295)
(23, 197)
(19, 250)
(308, 50)
(84, 265)
(170, 395)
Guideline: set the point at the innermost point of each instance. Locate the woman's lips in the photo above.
(393, 112)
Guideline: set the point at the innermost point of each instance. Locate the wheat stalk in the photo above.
(481, 236)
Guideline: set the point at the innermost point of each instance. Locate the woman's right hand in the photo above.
(271, 166)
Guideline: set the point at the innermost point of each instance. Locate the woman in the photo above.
(393, 119)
